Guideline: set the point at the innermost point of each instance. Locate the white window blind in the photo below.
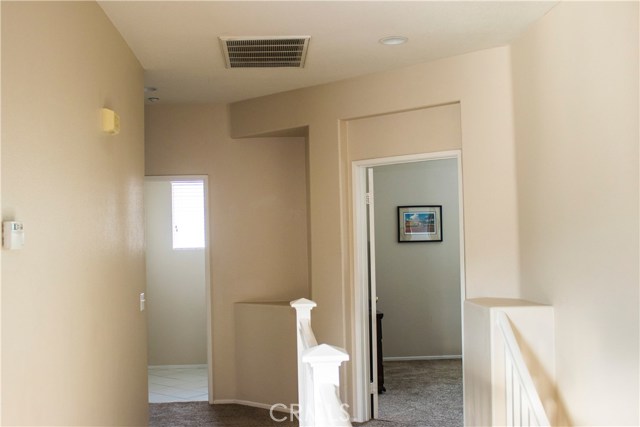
(187, 214)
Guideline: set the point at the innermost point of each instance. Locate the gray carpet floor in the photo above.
(425, 393)
(201, 414)
(419, 394)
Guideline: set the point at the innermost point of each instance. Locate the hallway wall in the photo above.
(257, 213)
(574, 204)
(481, 83)
(73, 337)
(576, 121)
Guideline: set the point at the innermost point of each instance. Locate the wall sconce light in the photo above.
(110, 122)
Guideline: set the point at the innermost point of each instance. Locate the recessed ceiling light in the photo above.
(393, 40)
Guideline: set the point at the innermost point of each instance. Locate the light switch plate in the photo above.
(142, 301)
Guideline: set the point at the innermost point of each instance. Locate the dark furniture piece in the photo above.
(379, 316)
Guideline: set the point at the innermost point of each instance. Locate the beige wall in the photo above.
(266, 354)
(73, 338)
(576, 88)
(257, 214)
(422, 130)
(571, 83)
(481, 82)
(176, 286)
(576, 121)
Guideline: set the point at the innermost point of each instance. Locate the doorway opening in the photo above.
(178, 289)
(419, 285)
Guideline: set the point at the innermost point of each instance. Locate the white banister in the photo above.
(325, 361)
(305, 339)
(318, 375)
(523, 404)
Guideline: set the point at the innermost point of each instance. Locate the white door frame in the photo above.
(207, 266)
(362, 388)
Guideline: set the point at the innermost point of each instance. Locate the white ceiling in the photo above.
(177, 41)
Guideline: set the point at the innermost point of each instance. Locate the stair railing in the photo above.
(523, 404)
(319, 403)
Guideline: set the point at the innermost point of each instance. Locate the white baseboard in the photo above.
(406, 358)
(176, 366)
(279, 407)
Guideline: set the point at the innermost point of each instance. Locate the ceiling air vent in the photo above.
(265, 52)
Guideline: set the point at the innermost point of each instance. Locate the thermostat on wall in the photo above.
(12, 235)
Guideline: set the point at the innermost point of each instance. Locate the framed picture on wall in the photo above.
(419, 224)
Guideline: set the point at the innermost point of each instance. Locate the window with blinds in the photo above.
(187, 214)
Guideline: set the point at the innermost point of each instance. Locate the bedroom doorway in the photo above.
(396, 182)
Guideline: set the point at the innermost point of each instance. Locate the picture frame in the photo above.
(420, 223)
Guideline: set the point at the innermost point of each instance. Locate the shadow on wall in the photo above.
(545, 384)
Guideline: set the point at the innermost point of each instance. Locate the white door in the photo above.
(373, 336)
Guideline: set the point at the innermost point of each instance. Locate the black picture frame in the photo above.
(419, 223)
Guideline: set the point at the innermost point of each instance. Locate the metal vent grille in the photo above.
(265, 52)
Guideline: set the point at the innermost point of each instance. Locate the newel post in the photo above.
(303, 309)
(325, 361)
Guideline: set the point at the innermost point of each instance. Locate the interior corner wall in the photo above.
(257, 214)
(481, 83)
(418, 284)
(575, 75)
(73, 337)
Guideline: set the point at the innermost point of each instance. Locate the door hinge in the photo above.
(372, 388)
(368, 198)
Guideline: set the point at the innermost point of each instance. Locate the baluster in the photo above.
(508, 378)
(517, 402)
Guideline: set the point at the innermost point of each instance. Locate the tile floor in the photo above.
(187, 383)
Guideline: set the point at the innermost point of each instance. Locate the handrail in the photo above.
(524, 407)
(318, 375)
(308, 337)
